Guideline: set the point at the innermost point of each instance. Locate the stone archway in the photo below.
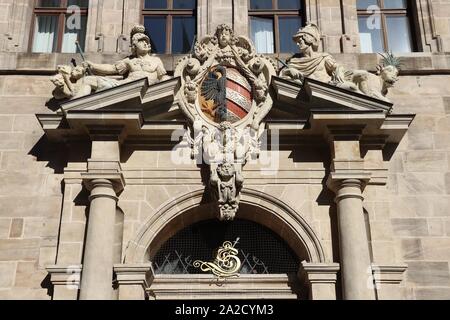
(317, 274)
(265, 210)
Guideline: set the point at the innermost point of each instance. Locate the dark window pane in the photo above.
(399, 34)
(74, 33)
(155, 4)
(156, 28)
(184, 4)
(182, 34)
(261, 4)
(79, 3)
(288, 27)
(49, 3)
(45, 34)
(289, 4)
(370, 34)
(395, 4)
(364, 4)
(262, 34)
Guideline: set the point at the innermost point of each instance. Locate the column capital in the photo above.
(337, 181)
(65, 275)
(134, 274)
(114, 180)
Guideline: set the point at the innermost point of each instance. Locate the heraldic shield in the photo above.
(225, 95)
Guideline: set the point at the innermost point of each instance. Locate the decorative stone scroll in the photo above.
(225, 95)
(78, 81)
(323, 67)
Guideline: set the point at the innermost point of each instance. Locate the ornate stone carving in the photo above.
(323, 67)
(377, 85)
(89, 77)
(225, 95)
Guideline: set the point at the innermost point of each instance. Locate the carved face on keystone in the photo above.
(226, 170)
(389, 75)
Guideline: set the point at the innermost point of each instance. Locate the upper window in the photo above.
(273, 23)
(171, 24)
(58, 24)
(384, 25)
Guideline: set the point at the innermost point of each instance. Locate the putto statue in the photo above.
(323, 67)
(74, 82)
(225, 95)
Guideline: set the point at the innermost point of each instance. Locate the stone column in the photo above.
(96, 280)
(355, 259)
(65, 281)
(347, 180)
(320, 278)
(133, 280)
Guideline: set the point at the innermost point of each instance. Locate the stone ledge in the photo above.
(203, 287)
(415, 63)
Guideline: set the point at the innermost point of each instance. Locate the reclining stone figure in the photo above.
(323, 67)
(73, 82)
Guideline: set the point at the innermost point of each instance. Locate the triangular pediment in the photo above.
(134, 96)
(318, 96)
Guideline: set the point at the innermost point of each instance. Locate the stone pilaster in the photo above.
(65, 281)
(320, 278)
(133, 280)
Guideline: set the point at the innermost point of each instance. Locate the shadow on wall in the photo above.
(53, 153)
(58, 155)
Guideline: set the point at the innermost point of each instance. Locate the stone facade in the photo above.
(44, 198)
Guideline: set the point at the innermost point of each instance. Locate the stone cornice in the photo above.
(65, 275)
(389, 274)
(133, 274)
(319, 272)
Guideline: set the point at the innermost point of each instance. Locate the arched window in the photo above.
(171, 24)
(261, 251)
(385, 25)
(273, 23)
(58, 24)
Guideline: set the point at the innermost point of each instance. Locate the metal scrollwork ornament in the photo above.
(226, 264)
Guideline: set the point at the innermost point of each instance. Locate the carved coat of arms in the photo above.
(225, 95)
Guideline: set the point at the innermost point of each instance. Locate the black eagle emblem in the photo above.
(214, 88)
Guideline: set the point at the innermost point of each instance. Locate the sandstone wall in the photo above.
(40, 217)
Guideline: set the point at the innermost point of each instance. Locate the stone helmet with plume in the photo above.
(138, 34)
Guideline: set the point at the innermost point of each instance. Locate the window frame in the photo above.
(407, 12)
(61, 13)
(276, 14)
(169, 13)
